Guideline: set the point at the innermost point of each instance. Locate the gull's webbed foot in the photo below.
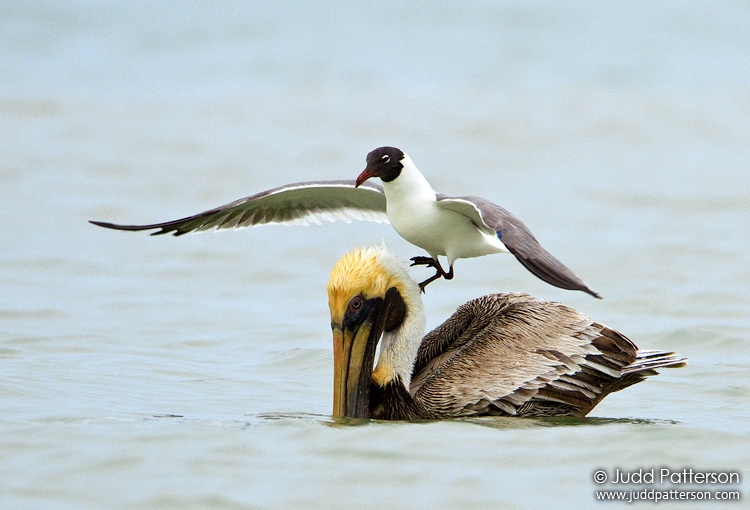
(431, 262)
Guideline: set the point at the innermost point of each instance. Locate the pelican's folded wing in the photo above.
(512, 354)
(297, 203)
(518, 239)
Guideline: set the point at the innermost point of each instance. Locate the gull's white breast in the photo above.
(416, 215)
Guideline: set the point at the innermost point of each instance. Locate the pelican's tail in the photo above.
(646, 362)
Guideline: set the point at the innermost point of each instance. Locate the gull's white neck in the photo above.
(409, 185)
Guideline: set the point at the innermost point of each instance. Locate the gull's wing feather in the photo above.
(517, 238)
(297, 203)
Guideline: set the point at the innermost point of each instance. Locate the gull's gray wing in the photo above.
(517, 238)
(297, 203)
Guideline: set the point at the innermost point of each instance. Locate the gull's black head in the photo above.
(383, 162)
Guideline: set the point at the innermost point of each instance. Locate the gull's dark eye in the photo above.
(386, 158)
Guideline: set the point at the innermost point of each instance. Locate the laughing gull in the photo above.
(454, 227)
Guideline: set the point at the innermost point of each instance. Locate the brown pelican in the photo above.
(502, 354)
(454, 227)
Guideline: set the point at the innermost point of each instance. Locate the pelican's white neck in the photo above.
(398, 348)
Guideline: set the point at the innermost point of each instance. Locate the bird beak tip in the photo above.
(366, 174)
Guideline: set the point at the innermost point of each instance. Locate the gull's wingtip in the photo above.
(115, 226)
(103, 224)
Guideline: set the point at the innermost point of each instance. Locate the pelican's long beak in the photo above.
(366, 174)
(353, 357)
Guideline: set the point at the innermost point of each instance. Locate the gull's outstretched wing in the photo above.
(297, 203)
(518, 239)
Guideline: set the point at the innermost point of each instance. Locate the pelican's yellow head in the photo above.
(367, 271)
(369, 293)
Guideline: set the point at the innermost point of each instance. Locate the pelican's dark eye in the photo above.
(386, 158)
(356, 303)
(356, 312)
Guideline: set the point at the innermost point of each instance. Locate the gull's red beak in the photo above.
(366, 174)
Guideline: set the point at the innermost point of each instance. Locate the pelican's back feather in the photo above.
(512, 354)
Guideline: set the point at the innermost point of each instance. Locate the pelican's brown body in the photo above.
(502, 354)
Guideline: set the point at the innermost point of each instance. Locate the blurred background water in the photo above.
(195, 372)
